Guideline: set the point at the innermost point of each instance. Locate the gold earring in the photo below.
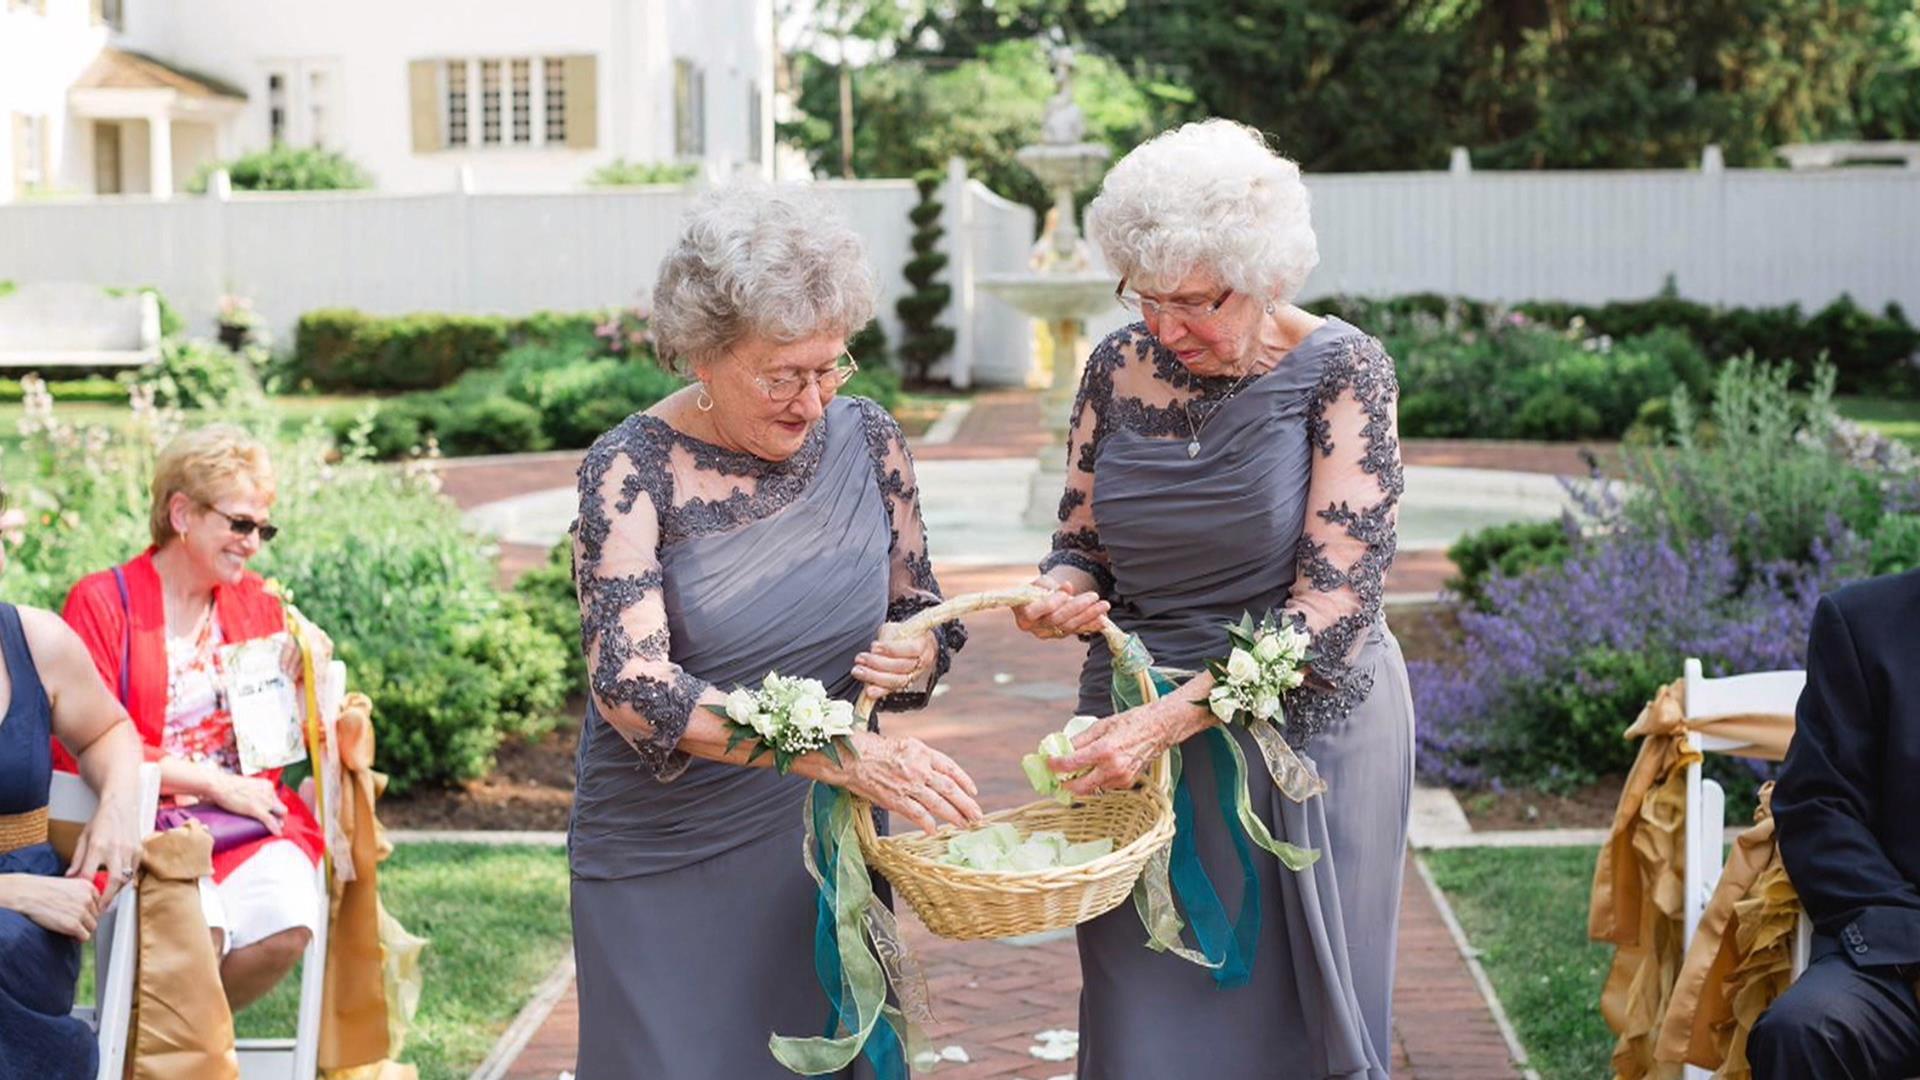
(703, 400)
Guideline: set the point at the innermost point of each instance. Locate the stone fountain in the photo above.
(1065, 282)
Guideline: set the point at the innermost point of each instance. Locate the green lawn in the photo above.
(1525, 910)
(496, 921)
(1892, 417)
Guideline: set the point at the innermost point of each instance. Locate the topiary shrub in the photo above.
(923, 341)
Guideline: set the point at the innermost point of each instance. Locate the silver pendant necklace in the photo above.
(1193, 431)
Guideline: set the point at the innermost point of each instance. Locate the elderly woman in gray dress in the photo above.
(1232, 454)
(753, 522)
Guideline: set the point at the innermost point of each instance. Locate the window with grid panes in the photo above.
(490, 102)
(522, 71)
(456, 103)
(555, 89)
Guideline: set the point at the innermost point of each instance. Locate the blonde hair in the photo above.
(205, 465)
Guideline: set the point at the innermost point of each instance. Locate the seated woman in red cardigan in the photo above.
(164, 631)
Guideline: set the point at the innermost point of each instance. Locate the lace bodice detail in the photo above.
(1347, 543)
(646, 487)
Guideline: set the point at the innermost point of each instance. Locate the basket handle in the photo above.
(969, 603)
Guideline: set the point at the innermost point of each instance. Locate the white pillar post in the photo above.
(160, 156)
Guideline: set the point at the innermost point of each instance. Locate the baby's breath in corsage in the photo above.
(1267, 660)
(788, 718)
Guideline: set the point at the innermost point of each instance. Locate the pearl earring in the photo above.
(1269, 307)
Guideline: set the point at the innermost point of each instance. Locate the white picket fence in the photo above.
(1728, 236)
(479, 253)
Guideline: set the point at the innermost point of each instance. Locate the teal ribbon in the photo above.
(851, 975)
(1227, 947)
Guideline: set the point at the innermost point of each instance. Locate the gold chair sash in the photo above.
(181, 1027)
(1741, 958)
(1639, 879)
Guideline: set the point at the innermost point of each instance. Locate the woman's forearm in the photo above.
(110, 764)
(180, 777)
(706, 737)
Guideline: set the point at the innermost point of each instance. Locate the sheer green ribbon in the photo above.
(1175, 873)
(856, 950)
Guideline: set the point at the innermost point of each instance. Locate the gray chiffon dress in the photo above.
(1287, 506)
(699, 567)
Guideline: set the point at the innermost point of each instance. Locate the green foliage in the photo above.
(913, 114)
(287, 168)
(623, 173)
(1516, 380)
(1508, 550)
(1762, 476)
(371, 553)
(881, 385)
(869, 347)
(202, 375)
(343, 349)
(90, 389)
(548, 597)
(923, 341)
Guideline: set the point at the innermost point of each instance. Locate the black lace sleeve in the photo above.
(1348, 544)
(625, 488)
(1076, 541)
(912, 587)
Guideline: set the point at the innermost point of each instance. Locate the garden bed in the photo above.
(530, 787)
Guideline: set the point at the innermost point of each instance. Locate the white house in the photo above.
(135, 96)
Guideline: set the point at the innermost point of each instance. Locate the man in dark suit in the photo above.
(1847, 807)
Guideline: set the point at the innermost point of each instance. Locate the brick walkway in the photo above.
(990, 998)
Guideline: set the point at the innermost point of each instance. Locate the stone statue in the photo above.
(1063, 124)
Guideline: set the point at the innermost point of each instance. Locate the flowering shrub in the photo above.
(1719, 550)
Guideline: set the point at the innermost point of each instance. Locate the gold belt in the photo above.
(22, 830)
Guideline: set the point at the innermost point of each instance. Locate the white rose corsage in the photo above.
(1267, 660)
(788, 718)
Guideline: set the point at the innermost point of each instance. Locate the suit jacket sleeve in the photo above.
(1828, 802)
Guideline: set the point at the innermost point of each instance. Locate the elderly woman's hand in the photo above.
(909, 777)
(892, 663)
(1117, 751)
(251, 796)
(1061, 612)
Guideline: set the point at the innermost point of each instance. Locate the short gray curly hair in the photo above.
(1210, 195)
(756, 260)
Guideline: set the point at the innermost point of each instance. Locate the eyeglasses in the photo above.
(788, 387)
(1160, 309)
(245, 526)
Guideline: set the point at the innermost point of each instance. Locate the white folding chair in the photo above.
(298, 1058)
(116, 936)
(1767, 693)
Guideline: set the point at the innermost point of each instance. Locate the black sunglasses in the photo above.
(244, 526)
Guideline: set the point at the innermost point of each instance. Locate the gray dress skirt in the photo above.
(694, 916)
(1182, 544)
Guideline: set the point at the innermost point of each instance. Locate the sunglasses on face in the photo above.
(245, 526)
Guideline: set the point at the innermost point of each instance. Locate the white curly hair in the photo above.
(755, 260)
(1207, 196)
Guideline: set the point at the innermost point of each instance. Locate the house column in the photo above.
(160, 155)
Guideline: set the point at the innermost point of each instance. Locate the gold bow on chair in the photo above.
(1741, 958)
(373, 974)
(1639, 881)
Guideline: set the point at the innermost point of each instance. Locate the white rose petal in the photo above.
(741, 706)
(1222, 703)
(1268, 648)
(1241, 666)
(1266, 707)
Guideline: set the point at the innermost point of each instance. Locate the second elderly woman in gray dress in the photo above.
(1233, 453)
(755, 521)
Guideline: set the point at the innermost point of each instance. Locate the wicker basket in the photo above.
(965, 904)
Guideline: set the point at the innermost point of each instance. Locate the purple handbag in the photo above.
(230, 830)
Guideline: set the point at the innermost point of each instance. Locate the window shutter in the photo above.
(424, 82)
(583, 102)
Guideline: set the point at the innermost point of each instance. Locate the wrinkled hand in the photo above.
(252, 796)
(110, 843)
(63, 905)
(1118, 750)
(891, 664)
(910, 778)
(1062, 612)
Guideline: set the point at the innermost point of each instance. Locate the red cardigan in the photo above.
(246, 611)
